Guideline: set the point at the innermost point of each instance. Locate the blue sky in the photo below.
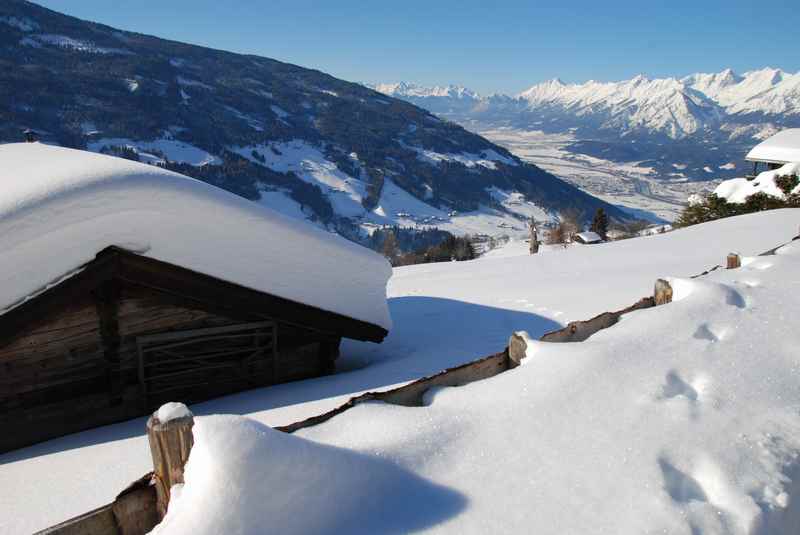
(487, 46)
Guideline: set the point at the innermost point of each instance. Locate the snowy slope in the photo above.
(669, 422)
(447, 314)
(396, 206)
(59, 207)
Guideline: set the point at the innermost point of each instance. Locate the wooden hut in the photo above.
(775, 151)
(115, 337)
(588, 237)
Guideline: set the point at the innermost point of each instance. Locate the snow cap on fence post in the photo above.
(517, 348)
(662, 292)
(169, 431)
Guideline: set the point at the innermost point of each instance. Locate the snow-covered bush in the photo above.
(778, 188)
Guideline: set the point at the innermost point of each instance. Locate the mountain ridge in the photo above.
(699, 121)
(296, 139)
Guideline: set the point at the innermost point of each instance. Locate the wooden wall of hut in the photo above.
(123, 349)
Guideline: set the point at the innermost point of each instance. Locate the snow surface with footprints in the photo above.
(681, 419)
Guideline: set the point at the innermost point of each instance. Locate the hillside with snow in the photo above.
(681, 419)
(312, 146)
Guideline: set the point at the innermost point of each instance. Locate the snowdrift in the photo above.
(244, 478)
(60, 207)
(569, 443)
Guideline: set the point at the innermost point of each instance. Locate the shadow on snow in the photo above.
(429, 335)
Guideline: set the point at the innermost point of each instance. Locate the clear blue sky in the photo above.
(487, 46)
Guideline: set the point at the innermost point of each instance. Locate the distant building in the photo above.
(775, 151)
(588, 237)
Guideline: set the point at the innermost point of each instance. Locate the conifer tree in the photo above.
(534, 244)
(600, 223)
(390, 249)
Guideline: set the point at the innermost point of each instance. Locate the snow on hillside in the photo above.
(673, 434)
(154, 152)
(395, 206)
(60, 207)
(63, 41)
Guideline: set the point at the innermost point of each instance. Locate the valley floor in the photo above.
(629, 186)
(681, 419)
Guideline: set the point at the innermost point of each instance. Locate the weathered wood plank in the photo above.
(170, 444)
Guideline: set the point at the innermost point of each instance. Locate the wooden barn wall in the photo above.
(77, 368)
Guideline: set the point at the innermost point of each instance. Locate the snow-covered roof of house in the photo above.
(589, 237)
(59, 207)
(783, 147)
(738, 190)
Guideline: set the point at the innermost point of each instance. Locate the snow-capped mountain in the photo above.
(662, 105)
(675, 107)
(405, 89)
(766, 91)
(642, 143)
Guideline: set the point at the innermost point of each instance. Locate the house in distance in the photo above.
(775, 151)
(123, 285)
(588, 237)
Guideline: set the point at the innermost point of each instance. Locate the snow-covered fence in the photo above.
(578, 331)
(662, 293)
(140, 507)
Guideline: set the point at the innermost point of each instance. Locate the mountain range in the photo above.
(298, 140)
(699, 122)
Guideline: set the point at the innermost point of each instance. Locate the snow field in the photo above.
(680, 419)
(485, 442)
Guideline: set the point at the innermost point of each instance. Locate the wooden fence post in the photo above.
(734, 261)
(662, 292)
(516, 350)
(171, 442)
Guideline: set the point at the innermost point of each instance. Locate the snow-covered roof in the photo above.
(59, 207)
(589, 237)
(783, 147)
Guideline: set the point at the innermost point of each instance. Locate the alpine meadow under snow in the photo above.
(684, 418)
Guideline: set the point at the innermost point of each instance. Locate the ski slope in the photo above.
(681, 419)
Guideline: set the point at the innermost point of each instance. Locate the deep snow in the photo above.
(680, 419)
(656, 423)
